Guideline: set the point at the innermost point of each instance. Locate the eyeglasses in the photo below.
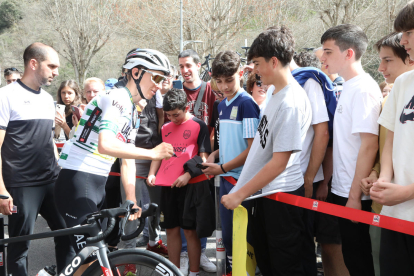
(156, 78)
(12, 69)
(259, 83)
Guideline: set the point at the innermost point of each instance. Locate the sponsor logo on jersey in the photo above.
(118, 105)
(187, 134)
(168, 134)
(180, 149)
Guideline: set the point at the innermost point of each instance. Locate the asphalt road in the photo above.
(42, 252)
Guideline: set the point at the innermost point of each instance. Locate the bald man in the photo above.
(29, 157)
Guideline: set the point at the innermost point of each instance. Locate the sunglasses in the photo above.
(156, 78)
(259, 83)
(12, 69)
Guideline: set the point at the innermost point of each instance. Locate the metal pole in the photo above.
(220, 250)
(181, 27)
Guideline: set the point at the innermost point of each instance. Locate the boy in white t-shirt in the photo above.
(397, 249)
(355, 138)
(273, 162)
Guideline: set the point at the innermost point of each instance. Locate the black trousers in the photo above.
(356, 242)
(30, 202)
(278, 230)
(396, 253)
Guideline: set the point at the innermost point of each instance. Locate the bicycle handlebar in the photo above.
(110, 214)
(149, 212)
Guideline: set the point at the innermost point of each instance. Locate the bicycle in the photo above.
(112, 264)
(206, 73)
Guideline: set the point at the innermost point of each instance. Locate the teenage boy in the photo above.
(273, 163)
(200, 100)
(189, 137)
(394, 62)
(396, 253)
(190, 65)
(355, 141)
(239, 118)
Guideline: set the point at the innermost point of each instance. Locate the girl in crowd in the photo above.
(68, 94)
(258, 91)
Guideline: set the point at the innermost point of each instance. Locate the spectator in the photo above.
(355, 138)
(307, 59)
(395, 61)
(91, 88)
(174, 178)
(273, 163)
(68, 94)
(337, 80)
(110, 83)
(29, 167)
(215, 121)
(12, 75)
(200, 100)
(387, 89)
(239, 117)
(189, 62)
(258, 91)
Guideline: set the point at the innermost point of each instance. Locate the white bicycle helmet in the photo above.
(149, 59)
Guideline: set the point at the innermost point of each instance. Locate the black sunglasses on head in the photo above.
(259, 83)
(12, 69)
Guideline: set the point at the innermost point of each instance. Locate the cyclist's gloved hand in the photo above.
(137, 214)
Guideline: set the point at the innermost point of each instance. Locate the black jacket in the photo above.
(198, 203)
(148, 136)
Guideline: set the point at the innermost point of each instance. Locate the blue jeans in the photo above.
(184, 242)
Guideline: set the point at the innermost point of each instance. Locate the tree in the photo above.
(214, 22)
(85, 26)
(10, 13)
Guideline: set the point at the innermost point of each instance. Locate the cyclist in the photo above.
(107, 129)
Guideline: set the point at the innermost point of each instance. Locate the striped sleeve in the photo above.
(250, 127)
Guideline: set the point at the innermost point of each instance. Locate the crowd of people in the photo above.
(311, 124)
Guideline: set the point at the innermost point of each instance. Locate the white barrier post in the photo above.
(220, 250)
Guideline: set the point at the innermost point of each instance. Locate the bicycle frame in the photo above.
(92, 229)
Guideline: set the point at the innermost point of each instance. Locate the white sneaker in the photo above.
(206, 264)
(184, 263)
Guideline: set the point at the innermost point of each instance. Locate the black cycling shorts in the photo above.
(78, 194)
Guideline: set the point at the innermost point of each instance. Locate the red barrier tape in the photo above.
(399, 225)
(196, 179)
(394, 224)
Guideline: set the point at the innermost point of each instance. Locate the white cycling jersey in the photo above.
(113, 112)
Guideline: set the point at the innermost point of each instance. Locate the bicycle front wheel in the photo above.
(137, 262)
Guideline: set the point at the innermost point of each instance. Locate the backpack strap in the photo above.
(199, 97)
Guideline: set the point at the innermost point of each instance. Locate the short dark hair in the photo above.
(307, 59)
(225, 64)
(405, 18)
(347, 36)
(392, 41)
(190, 53)
(11, 71)
(273, 42)
(37, 51)
(175, 98)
